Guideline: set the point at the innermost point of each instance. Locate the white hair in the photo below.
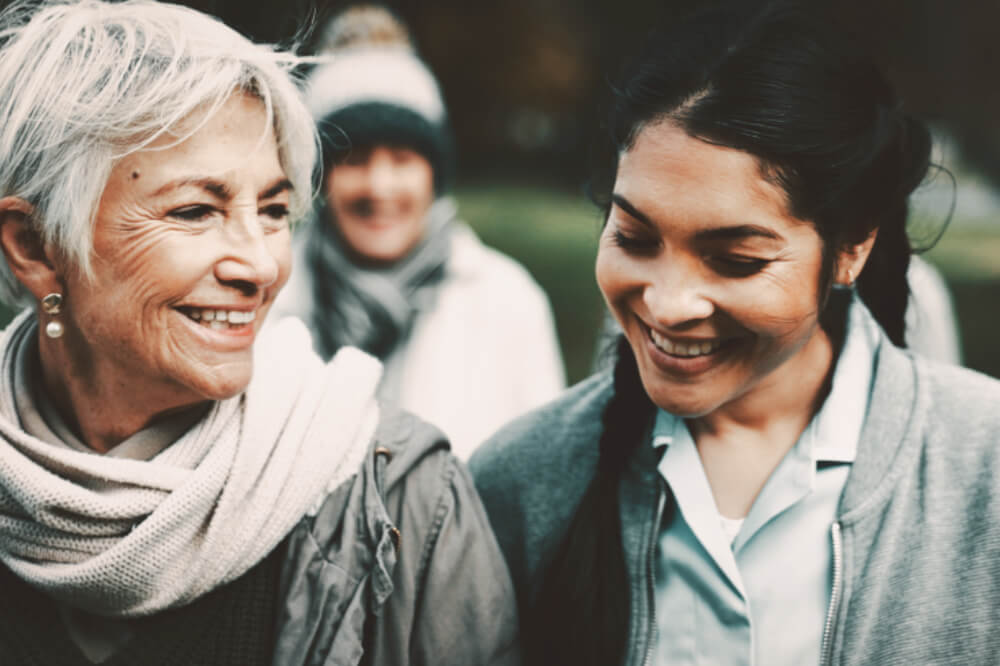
(83, 84)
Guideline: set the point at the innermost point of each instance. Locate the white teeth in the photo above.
(224, 318)
(683, 349)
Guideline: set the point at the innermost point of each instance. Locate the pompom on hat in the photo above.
(371, 92)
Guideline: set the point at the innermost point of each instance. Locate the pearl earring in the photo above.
(52, 305)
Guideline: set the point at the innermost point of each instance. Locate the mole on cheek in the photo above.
(135, 175)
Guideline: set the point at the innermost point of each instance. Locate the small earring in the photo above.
(52, 305)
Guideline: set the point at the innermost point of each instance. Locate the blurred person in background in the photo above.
(174, 490)
(766, 475)
(466, 335)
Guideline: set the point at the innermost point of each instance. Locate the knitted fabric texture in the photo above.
(230, 626)
(126, 538)
(393, 76)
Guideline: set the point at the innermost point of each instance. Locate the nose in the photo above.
(382, 174)
(677, 297)
(250, 262)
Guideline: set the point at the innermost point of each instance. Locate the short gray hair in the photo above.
(83, 84)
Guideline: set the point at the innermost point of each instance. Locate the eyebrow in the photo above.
(724, 233)
(624, 204)
(220, 190)
(217, 188)
(274, 190)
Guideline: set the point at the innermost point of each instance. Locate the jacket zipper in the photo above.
(826, 653)
(650, 575)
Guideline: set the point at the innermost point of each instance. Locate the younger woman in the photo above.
(766, 476)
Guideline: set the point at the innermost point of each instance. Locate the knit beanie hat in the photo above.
(372, 94)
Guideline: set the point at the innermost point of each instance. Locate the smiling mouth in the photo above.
(219, 320)
(684, 349)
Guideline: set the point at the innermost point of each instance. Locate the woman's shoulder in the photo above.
(936, 402)
(533, 472)
(560, 431)
(960, 401)
(474, 262)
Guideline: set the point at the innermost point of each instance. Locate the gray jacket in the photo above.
(398, 566)
(916, 541)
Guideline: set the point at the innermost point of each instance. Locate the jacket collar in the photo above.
(889, 432)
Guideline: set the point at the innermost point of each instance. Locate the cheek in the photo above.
(345, 183)
(781, 308)
(132, 276)
(419, 184)
(616, 275)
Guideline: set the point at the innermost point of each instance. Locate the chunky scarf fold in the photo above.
(128, 538)
(373, 309)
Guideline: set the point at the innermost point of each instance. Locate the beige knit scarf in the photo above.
(126, 538)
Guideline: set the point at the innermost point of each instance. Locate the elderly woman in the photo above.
(767, 475)
(173, 490)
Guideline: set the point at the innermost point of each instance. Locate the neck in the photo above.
(742, 443)
(101, 412)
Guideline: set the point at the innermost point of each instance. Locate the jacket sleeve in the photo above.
(453, 601)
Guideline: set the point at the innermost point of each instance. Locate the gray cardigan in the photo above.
(916, 541)
(398, 566)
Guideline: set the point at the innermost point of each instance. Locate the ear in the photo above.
(851, 260)
(23, 248)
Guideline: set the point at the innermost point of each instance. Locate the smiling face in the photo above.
(715, 284)
(191, 245)
(379, 198)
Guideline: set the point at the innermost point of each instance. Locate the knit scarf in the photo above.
(127, 538)
(374, 308)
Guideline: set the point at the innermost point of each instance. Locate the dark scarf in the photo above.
(371, 308)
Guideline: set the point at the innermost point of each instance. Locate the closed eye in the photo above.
(193, 213)
(737, 265)
(631, 243)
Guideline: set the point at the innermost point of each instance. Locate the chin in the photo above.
(385, 253)
(681, 401)
(225, 387)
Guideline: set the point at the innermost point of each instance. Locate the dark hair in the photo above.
(363, 126)
(824, 124)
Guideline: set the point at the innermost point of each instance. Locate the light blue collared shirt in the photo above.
(760, 597)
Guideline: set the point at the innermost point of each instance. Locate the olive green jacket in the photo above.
(398, 566)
